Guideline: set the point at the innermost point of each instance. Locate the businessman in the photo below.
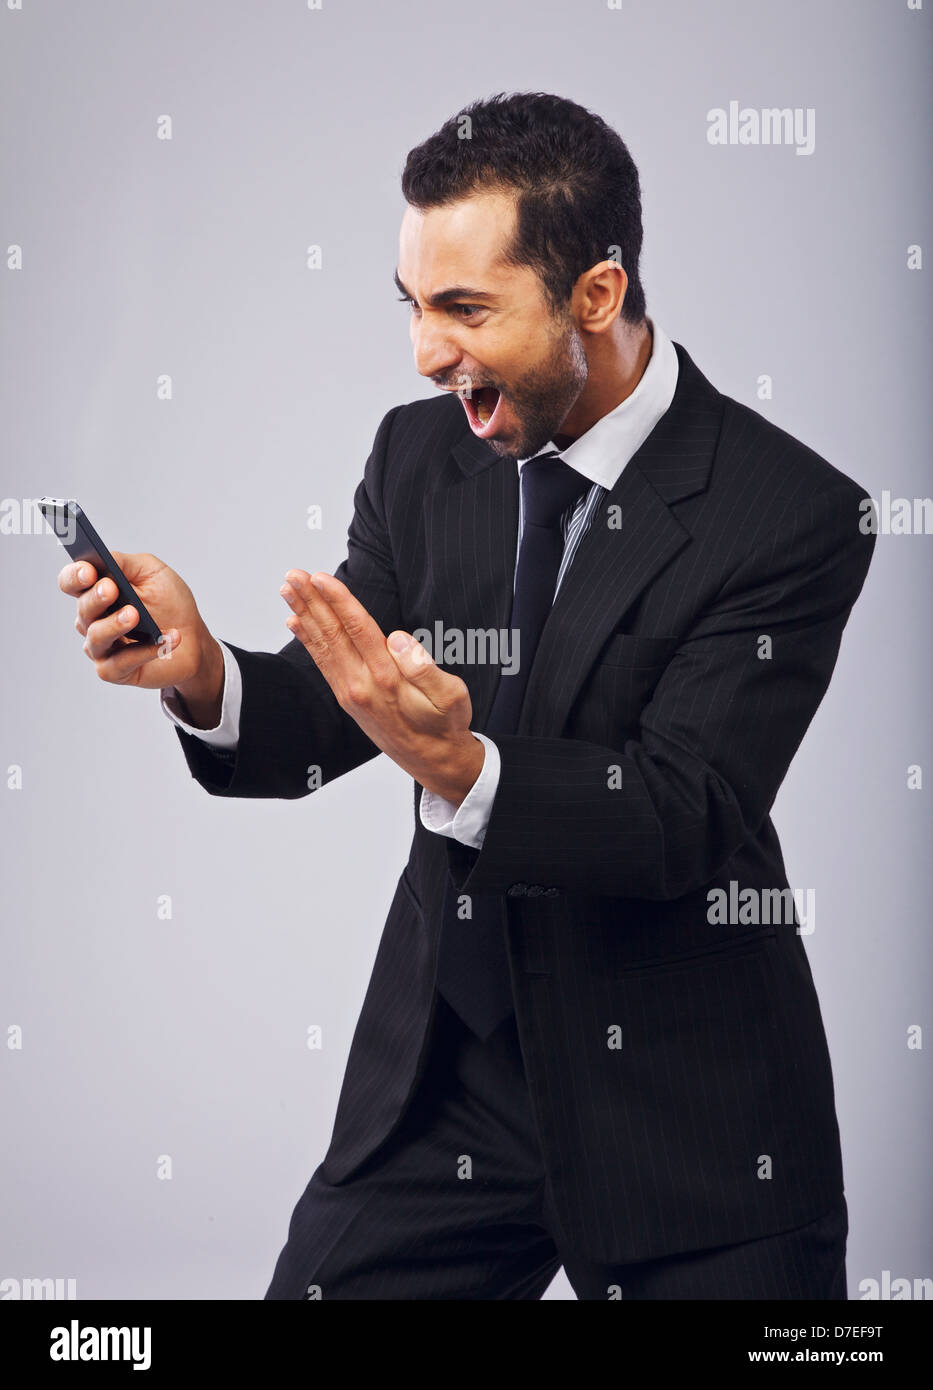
(589, 605)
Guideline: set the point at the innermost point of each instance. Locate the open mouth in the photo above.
(482, 407)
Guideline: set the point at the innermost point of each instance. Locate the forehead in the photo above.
(460, 243)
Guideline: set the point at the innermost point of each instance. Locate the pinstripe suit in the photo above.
(677, 1074)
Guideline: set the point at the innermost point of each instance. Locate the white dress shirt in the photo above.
(599, 455)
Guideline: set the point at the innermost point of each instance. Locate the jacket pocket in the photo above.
(622, 684)
(741, 944)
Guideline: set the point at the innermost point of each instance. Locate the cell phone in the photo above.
(70, 524)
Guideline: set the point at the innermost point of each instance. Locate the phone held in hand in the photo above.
(70, 524)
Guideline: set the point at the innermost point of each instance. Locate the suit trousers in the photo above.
(455, 1204)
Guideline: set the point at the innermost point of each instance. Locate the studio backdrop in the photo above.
(200, 334)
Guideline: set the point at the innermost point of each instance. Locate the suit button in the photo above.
(517, 890)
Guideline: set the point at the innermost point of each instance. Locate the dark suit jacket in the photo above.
(652, 743)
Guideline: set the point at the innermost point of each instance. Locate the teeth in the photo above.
(483, 410)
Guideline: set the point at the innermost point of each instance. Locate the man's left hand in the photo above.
(415, 712)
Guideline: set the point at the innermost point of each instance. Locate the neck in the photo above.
(616, 363)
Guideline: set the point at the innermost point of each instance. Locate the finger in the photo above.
(446, 692)
(138, 567)
(94, 602)
(74, 579)
(102, 634)
(361, 628)
(316, 624)
(121, 665)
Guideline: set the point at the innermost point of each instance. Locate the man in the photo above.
(591, 1036)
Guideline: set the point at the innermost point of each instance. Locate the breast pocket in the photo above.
(624, 680)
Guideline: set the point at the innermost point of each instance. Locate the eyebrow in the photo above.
(443, 297)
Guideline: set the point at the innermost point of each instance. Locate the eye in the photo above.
(466, 311)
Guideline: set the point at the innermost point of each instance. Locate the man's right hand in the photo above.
(188, 657)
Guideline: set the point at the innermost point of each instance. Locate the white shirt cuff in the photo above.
(466, 822)
(227, 732)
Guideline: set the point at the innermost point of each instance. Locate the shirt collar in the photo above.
(603, 451)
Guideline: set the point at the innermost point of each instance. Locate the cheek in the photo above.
(531, 366)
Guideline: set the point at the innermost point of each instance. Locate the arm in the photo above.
(290, 723)
(715, 741)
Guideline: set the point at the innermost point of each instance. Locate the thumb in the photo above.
(416, 664)
(419, 667)
(411, 656)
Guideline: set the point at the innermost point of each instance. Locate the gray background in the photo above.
(145, 1037)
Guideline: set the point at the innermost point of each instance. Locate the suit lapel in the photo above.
(471, 530)
(471, 534)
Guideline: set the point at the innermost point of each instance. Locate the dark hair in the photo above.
(577, 186)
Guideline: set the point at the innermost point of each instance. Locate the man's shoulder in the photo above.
(425, 428)
(752, 446)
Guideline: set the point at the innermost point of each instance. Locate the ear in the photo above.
(598, 296)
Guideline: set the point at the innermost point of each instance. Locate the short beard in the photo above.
(542, 399)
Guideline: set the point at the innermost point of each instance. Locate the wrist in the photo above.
(202, 695)
(458, 776)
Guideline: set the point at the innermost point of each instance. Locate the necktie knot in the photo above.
(549, 486)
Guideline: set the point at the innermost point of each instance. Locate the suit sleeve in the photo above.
(293, 735)
(659, 815)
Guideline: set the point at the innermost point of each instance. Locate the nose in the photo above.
(435, 351)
